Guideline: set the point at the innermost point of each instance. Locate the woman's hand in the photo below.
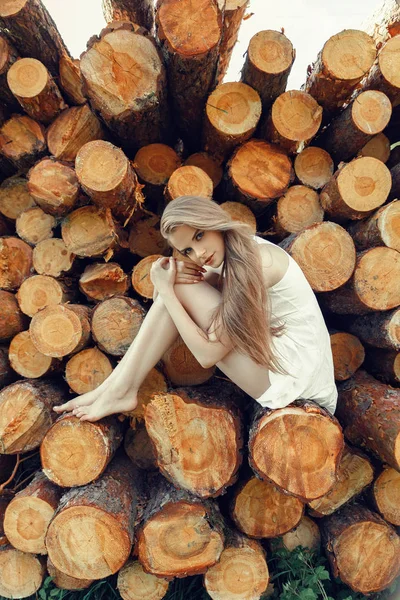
(161, 274)
(188, 272)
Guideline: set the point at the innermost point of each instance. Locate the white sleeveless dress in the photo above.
(304, 348)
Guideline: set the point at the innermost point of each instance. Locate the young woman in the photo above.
(251, 312)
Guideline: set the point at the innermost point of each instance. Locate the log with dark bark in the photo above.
(52, 257)
(326, 254)
(208, 164)
(7, 374)
(21, 573)
(381, 329)
(164, 553)
(362, 548)
(382, 228)
(39, 291)
(303, 460)
(33, 32)
(26, 360)
(29, 513)
(206, 438)
(34, 225)
(384, 22)
(8, 56)
(354, 474)
(378, 147)
(343, 61)
(93, 445)
(138, 447)
(139, 12)
(369, 412)
(71, 79)
(233, 16)
(182, 368)
(348, 354)
(74, 127)
(26, 413)
(356, 189)
(54, 186)
(65, 582)
(15, 262)
(22, 141)
(261, 510)
(385, 492)
(306, 534)
(101, 281)
(86, 370)
(133, 102)
(115, 324)
(268, 63)
(313, 167)
(384, 365)
(35, 90)
(12, 320)
(104, 513)
(384, 75)
(15, 197)
(242, 213)
(134, 583)
(297, 209)
(62, 329)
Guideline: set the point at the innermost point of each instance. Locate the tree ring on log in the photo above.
(241, 213)
(34, 225)
(52, 257)
(389, 61)
(314, 167)
(208, 164)
(306, 534)
(234, 109)
(141, 281)
(72, 129)
(27, 77)
(26, 359)
(376, 279)
(21, 574)
(296, 115)
(26, 519)
(371, 111)
(271, 51)
(56, 331)
(364, 184)
(98, 222)
(155, 163)
(15, 262)
(349, 54)
(15, 197)
(389, 225)
(37, 292)
(135, 584)
(298, 208)
(386, 490)
(348, 355)
(87, 370)
(189, 181)
(115, 324)
(22, 140)
(101, 166)
(377, 147)
(8, 8)
(54, 186)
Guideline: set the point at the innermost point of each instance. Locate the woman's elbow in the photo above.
(206, 363)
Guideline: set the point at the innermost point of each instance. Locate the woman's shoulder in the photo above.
(275, 261)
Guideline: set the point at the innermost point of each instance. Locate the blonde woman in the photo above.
(250, 311)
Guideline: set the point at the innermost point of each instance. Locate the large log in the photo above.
(71, 80)
(356, 189)
(268, 63)
(369, 412)
(381, 329)
(35, 90)
(190, 39)
(384, 365)
(65, 582)
(34, 225)
(362, 548)
(54, 186)
(75, 453)
(381, 229)
(133, 101)
(15, 197)
(206, 438)
(154, 165)
(348, 354)
(15, 262)
(134, 583)
(164, 553)
(385, 492)
(22, 141)
(384, 22)
(33, 31)
(297, 448)
(208, 164)
(139, 12)
(313, 167)
(91, 534)
(384, 75)
(21, 573)
(26, 360)
(8, 56)
(326, 254)
(297, 209)
(182, 368)
(377, 147)
(242, 213)
(39, 291)
(52, 257)
(261, 510)
(26, 414)
(306, 534)
(87, 370)
(188, 181)
(115, 324)
(141, 281)
(145, 237)
(29, 513)
(101, 281)
(343, 61)
(12, 320)
(233, 16)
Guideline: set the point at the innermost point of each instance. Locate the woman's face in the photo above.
(205, 248)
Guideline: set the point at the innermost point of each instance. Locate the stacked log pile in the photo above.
(91, 150)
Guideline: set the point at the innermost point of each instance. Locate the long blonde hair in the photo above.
(244, 313)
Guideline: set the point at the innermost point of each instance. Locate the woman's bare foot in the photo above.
(108, 403)
(84, 400)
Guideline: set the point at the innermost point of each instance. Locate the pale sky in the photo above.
(307, 23)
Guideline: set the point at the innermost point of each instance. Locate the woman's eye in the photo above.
(199, 235)
(187, 251)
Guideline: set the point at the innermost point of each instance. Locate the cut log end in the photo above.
(306, 535)
(297, 209)
(388, 64)
(101, 166)
(182, 368)
(101, 281)
(40, 291)
(21, 574)
(386, 494)
(376, 279)
(155, 163)
(26, 359)
(141, 281)
(15, 262)
(22, 141)
(234, 109)
(89, 231)
(348, 355)
(377, 147)
(154, 383)
(134, 583)
(59, 330)
(242, 213)
(208, 164)
(314, 167)
(54, 186)
(349, 54)
(189, 181)
(27, 77)
(115, 324)
(52, 257)
(371, 111)
(271, 52)
(15, 197)
(34, 225)
(87, 370)
(296, 116)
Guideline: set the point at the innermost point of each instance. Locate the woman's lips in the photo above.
(209, 260)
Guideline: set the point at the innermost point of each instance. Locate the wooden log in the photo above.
(259, 172)
(354, 474)
(26, 413)
(101, 281)
(141, 281)
(382, 228)
(91, 231)
(232, 114)
(356, 190)
(384, 365)
(164, 553)
(133, 102)
(343, 61)
(59, 330)
(21, 573)
(102, 514)
(303, 460)
(39, 291)
(242, 570)
(206, 439)
(261, 510)
(188, 181)
(362, 549)
(242, 213)
(297, 209)
(71, 80)
(65, 582)
(8, 56)
(26, 359)
(306, 535)
(54, 186)
(269, 60)
(294, 120)
(145, 237)
(384, 22)
(134, 583)
(52, 257)
(29, 513)
(7, 375)
(182, 368)
(394, 157)
(233, 16)
(74, 127)
(86, 370)
(12, 320)
(191, 46)
(106, 175)
(15, 197)
(384, 74)
(15, 262)
(348, 354)
(372, 287)
(154, 165)
(154, 383)
(385, 492)
(93, 446)
(326, 254)
(33, 225)
(7, 495)
(381, 330)
(395, 189)
(22, 141)
(138, 447)
(35, 90)
(313, 167)
(377, 147)
(115, 324)
(140, 12)
(208, 164)
(366, 116)
(369, 412)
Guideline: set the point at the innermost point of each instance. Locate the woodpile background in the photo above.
(199, 477)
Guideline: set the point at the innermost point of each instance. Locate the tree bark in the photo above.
(27, 361)
(101, 281)
(297, 209)
(12, 320)
(39, 291)
(381, 329)
(21, 573)
(15, 197)
(71, 80)
(87, 370)
(115, 324)
(348, 354)
(384, 365)
(15, 262)
(385, 492)
(140, 12)
(8, 56)
(233, 16)
(54, 186)
(33, 225)
(382, 228)
(182, 368)
(22, 141)
(384, 74)
(384, 22)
